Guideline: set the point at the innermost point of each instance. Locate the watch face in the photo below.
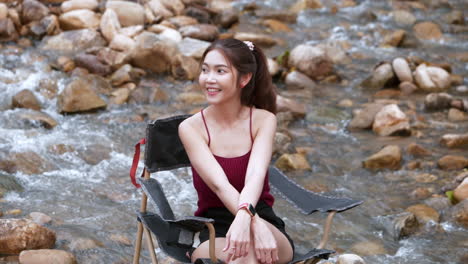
(252, 209)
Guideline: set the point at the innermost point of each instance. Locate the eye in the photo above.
(203, 69)
(221, 71)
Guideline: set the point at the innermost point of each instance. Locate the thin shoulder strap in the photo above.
(206, 126)
(251, 136)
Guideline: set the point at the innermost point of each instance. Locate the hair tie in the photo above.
(249, 44)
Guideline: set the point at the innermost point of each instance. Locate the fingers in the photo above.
(228, 240)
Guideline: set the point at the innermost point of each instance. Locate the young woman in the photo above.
(229, 145)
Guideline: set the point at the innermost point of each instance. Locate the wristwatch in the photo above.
(249, 208)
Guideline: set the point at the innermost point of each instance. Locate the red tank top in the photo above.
(235, 170)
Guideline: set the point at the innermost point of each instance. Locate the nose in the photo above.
(211, 77)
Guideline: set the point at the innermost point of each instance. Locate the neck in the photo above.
(227, 114)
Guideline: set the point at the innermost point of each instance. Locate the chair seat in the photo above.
(314, 253)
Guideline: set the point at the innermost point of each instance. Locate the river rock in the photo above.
(387, 158)
(205, 32)
(95, 153)
(48, 25)
(129, 13)
(455, 17)
(167, 33)
(380, 76)
(37, 119)
(451, 162)
(154, 53)
(193, 47)
(427, 31)
(456, 115)
(369, 248)
(455, 140)
(402, 70)
(292, 162)
(394, 39)
(3, 11)
(110, 25)
(122, 75)
(437, 101)
(284, 104)
(403, 18)
(432, 79)
(298, 80)
(132, 31)
(273, 67)
(276, 25)
(200, 14)
(79, 4)
(407, 88)
(175, 6)
(113, 58)
(123, 43)
(159, 10)
(22, 234)
(181, 21)
(390, 120)
(73, 41)
(364, 118)
(49, 256)
(79, 19)
(7, 30)
(28, 163)
(26, 99)
(78, 96)
(40, 218)
(228, 17)
(281, 143)
(311, 61)
(461, 192)
(301, 5)
(185, 68)
(8, 183)
(417, 150)
(257, 39)
(424, 213)
(459, 213)
(120, 96)
(33, 11)
(350, 259)
(92, 64)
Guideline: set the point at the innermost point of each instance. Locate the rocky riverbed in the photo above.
(373, 103)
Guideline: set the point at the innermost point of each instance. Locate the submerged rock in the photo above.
(49, 256)
(26, 99)
(459, 213)
(37, 119)
(78, 96)
(424, 213)
(387, 158)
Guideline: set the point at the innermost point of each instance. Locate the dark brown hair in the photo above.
(259, 92)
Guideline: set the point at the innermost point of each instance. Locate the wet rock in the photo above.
(459, 213)
(22, 234)
(298, 80)
(455, 140)
(451, 162)
(79, 19)
(37, 119)
(350, 259)
(93, 154)
(281, 15)
(40, 218)
(456, 115)
(193, 47)
(390, 120)
(403, 18)
(122, 75)
(276, 25)
(60, 149)
(461, 192)
(437, 101)
(364, 118)
(369, 248)
(432, 79)
(26, 99)
(425, 178)
(109, 25)
(3, 11)
(191, 98)
(438, 203)
(8, 183)
(311, 61)
(113, 58)
(129, 13)
(167, 33)
(122, 43)
(273, 67)
(394, 39)
(205, 32)
(402, 70)
(121, 239)
(201, 15)
(79, 4)
(417, 150)
(78, 96)
(73, 41)
(33, 11)
(281, 143)
(407, 88)
(81, 243)
(158, 9)
(185, 68)
(346, 103)
(421, 193)
(455, 17)
(424, 213)
(289, 105)
(153, 52)
(301, 5)
(65, 64)
(387, 158)
(28, 163)
(49, 256)
(292, 162)
(181, 21)
(7, 30)
(257, 39)
(92, 64)
(380, 76)
(14, 212)
(427, 31)
(49, 25)
(227, 18)
(120, 96)
(175, 6)
(401, 225)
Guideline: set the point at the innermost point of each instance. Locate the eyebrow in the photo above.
(217, 65)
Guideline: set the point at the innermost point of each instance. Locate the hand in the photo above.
(238, 236)
(266, 248)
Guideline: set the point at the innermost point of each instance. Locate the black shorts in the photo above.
(223, 220)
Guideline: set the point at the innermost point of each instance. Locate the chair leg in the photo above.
(326, 229)
(136, 255)
(150, 245)
(212, 248)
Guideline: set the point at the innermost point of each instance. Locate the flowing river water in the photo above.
(89, 196)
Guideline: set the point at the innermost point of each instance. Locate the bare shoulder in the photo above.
(264, 117)
(190, 127)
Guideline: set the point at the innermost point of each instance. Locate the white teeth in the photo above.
(213, 90)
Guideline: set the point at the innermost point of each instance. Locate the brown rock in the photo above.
(364, 118)
(387, 158)
(33, 11)
(7, 30)
(403, 17)
(81, 243)
(120, 96)
(79, 97)
(121, 239)
(60, 149)
(369, 248)
(424, 213)
(3, 11)
(129, 13)
(407, 88)
(22, 234)
(40, 218)
(49, 256)
(459, 213)
(36, 119)
(109, 25)
(450, 162)
(276, 25)
(281, 15)
(454, 140)
(73, 41)
(26, 99)
(292, 162)
(79, 4)
(193, 47)
(461, 192)
(257, 39)
(191, 98)
(92, 64)
(28, 163)
(417, 150)
(181, 21)
(437, 101)
(427, 31)
(79, 19)
(93, 154)
(311, 61)
(113, 58)
(456, 115)
(185, 68)
(298, 80)
(200, 14)
(205, 32)
(228, 17)
(390, 120)
(421, 193)
(289, 105)
(49, 25)
(394, 39)
(381, 75)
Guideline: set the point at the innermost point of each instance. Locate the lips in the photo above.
(212, 91)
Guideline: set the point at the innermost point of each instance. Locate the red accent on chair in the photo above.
(136, 158)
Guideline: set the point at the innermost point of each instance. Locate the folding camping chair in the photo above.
(164, 151)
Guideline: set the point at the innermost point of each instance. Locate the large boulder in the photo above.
(310, 60)
(129, 13)
(17, 235)
(390, 120)
(79, 4)
(73, 41)
(49, 256)
(33, 11)
(387, 158)
(79, 19)
(154, 53)
(78, 96)
(432, 79)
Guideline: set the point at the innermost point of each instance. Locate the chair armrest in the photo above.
(192, 223)
(153, 189)
(306, 200)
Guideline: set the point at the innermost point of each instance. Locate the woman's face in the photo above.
(218, 79)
